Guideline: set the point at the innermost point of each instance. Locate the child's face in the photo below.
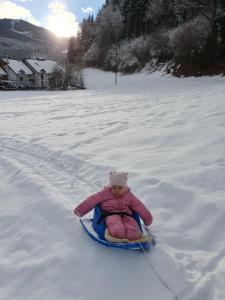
(118, 190)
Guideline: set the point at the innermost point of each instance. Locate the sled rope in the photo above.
(158, 275)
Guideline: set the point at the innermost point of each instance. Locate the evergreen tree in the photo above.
(109, 26)
(134, 17)
(86, 34)
(188, 9)
(220, 20)
(71, 51)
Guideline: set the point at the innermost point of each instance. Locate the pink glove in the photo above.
(77, 212)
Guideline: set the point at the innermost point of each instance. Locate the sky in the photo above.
(60, 16)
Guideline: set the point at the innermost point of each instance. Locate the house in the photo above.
(3, 74)
(4, 82)
(19, 73)
(2, 63)
(3, 79)
(32, 73)
(47, 73)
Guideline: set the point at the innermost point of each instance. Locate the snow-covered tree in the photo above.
(71, 51)
(160, 14)
(108, 32)
(190, 8)
(57, 78)
(128, 62)
(86, 33)
(92, 56)
(109, 25)
(220, 21)
(189, 42)
(73, 76)
(130, 56)
(213, 11)
(133, 12)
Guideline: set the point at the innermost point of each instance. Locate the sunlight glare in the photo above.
(61, 21)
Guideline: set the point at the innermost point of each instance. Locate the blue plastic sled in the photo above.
(95, 228)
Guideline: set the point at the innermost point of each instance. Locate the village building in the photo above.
(3, 79)
(3, 74)
(2, 63)
(19, 73)
(47, 73)
(31, 74)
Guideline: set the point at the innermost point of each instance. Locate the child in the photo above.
(117, 202)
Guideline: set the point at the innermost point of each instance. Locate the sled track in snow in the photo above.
(65, 183)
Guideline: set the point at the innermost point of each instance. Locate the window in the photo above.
(42, 73)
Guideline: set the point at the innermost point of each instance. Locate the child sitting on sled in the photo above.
(117, 203)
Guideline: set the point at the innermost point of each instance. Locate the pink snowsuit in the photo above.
(122, 227)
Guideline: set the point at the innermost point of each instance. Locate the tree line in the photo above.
(185, 37)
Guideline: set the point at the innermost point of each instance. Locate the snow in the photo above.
(39, 65)
(2, 72)
(25, 33)
(17, 66)
(56, 148)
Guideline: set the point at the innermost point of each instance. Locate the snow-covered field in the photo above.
(58, 147)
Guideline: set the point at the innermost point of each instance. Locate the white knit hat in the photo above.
(118, 178)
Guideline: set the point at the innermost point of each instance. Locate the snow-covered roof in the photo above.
(2, 72)
(43, 65)
(18, 66)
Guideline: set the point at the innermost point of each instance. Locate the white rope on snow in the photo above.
(176, 297)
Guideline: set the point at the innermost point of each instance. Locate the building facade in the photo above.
(3, 74)
(32, 73)
(19, 73)
(47, 73)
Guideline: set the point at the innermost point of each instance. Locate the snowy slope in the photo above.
(57, 147)
(20, 39)
(25, 33)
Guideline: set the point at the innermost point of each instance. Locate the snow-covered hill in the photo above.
(19, 39)
(58, 147)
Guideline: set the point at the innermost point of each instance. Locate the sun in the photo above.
(61, 27)
(61, 21)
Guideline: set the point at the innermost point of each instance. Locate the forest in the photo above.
(181, 37)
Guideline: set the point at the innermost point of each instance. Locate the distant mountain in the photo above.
(19, 39)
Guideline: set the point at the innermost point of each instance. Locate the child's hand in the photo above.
(77, 212)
